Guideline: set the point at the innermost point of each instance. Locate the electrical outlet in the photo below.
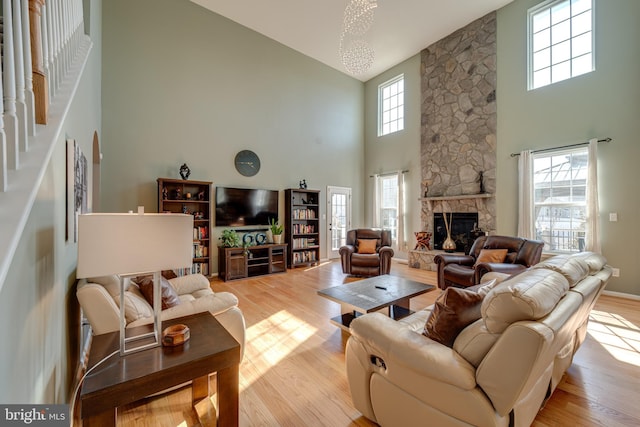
(615, 272)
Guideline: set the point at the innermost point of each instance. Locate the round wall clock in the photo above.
(247, 163)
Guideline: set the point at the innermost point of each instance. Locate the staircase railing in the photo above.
(44, 51)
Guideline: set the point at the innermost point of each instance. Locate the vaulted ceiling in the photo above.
(401, 28)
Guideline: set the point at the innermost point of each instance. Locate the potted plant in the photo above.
(230, 239)
(276, 230)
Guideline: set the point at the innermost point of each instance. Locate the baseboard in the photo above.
(621, 295)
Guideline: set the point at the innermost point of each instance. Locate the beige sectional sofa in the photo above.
(500, 369)
(99, 298)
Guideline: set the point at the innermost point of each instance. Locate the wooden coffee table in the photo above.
(124, 379)
(374, 294)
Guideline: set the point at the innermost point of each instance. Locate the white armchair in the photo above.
(100, 297)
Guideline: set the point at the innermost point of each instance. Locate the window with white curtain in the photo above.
(558, 198)
(389, 208)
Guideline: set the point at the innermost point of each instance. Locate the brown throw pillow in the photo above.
(491, 255)
(169, 274)
(169, 296)
(454, 309)
(367, 246)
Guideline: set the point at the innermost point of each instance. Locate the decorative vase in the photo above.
(448, 245)
(277, 238)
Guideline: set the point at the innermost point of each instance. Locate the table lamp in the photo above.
(130, 244)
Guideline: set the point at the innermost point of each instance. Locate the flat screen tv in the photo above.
(237, 207)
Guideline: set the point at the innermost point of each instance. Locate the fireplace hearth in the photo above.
(462, 225)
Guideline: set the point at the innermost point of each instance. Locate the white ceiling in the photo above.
(401, 28)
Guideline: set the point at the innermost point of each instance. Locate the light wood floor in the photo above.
(293, 369)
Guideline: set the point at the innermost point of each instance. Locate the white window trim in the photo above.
(534, 10)
(381, 86)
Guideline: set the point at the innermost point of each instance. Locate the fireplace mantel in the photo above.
(430, 200)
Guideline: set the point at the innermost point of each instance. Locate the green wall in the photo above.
(396, 151)
(603, 103)
(38, 308)
(184, 85)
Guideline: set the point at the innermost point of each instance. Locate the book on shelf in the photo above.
(303, 242)
(304, 256)
(303, 229)
(200, 232)
(200, 250)
(200, 268)
(304, 214)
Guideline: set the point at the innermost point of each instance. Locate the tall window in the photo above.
(391, 106)
(389, 209)
(560, 199)
(389, 204)
(560, 41)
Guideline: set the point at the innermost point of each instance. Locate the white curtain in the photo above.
(377, 202)
(402, 244)
(592, 241)
(526, 226)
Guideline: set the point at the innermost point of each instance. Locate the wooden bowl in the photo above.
(175, 335)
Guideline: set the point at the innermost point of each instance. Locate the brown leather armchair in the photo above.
(465, 270)
(367, 252)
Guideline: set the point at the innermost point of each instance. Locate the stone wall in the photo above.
(458, 129)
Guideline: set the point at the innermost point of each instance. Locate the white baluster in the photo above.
(38, 50)
(47, 48)
(58, 43)
(68, 31)
(3, 145)
(28, 70)
(18, 61)
(9, 83)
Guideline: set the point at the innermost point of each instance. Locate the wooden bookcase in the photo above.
(192, 197)
(238, 263)
(302, 226)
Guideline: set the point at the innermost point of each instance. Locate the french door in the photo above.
(339, 220)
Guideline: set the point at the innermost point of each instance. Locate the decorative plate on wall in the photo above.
(247, 163)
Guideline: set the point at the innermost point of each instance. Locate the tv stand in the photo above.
(240, 263)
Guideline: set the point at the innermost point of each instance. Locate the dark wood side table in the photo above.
(122, 380)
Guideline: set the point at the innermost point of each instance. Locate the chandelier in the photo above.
(354, 51)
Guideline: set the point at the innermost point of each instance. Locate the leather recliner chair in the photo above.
(357, 263)
(465, 270)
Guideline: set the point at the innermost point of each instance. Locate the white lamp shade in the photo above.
(118, 243)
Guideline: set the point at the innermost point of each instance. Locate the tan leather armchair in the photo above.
(367, 252)
(465, 270)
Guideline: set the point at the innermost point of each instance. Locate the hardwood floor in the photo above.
(293, 369)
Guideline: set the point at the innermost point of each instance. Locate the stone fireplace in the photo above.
(458, 132)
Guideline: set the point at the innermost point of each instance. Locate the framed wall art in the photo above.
(77, 188)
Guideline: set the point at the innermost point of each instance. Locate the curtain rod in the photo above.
(388, 173)
(564, 146)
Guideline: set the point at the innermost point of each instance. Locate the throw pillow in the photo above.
(484, 287)
(169, 296)
(453, 311)
(491, 255)
(367, 246)
(169, 274)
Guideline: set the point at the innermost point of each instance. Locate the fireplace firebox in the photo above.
(462, 226)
